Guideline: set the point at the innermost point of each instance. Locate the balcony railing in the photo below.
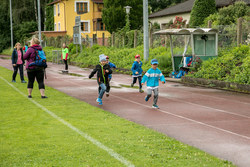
(97, 15)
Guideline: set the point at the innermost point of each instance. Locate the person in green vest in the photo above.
(65, 56)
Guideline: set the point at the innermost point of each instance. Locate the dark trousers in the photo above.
(139, 80)
(20, 67)
(66, 64)
(38, 75)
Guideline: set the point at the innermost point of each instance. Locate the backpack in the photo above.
(40, 59)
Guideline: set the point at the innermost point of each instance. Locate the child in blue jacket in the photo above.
(137, 72)
(111, 65)
(152, 77)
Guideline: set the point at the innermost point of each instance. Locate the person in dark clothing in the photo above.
(102, 70)
(17, 62)
(34, 72)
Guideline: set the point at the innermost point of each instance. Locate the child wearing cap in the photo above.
(152, 77)
(103, 70)
(137, 72)
(111, 65)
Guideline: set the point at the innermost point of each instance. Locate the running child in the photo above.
(152, 77)
(137, 72)
(102, 70)
(111, 65)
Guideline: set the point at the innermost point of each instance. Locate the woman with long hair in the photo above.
(17, 62)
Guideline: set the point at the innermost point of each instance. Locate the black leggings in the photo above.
(20, 67)
(66, 64)
(39, 75)
(139, 80)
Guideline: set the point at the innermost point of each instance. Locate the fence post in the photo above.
(103, 39)
(113, 39)
(239, 31)
(135, 39)
(151, 38)
(209, 24)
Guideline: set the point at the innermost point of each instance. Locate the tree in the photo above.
(114, 15)
(201, 10)
(49, 23)
(4, 26)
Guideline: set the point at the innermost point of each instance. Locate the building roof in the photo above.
(187, 6)
(186, 31)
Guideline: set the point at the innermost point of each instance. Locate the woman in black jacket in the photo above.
(17, 62)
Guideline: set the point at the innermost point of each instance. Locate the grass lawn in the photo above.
(29, 136)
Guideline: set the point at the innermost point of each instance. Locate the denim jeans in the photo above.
(102, 91)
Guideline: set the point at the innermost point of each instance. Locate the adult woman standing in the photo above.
(65, 56)
(17, 62)
(34, 72)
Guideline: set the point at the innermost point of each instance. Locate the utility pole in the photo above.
(39, 19)
(145, 30)
(11, 27)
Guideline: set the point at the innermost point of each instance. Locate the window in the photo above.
(85, 26)
(54, 10)
(99, 26)
(55, 27)
(81, 7)
(58, 6)
(59, 26)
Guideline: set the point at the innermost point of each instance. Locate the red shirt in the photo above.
(19, 59)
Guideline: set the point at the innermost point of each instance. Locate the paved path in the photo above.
(212, 120)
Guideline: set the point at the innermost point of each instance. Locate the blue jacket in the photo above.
(136, 67)
(152, 77)
(111, 65)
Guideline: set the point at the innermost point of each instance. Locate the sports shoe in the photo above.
(23, 81)
(98, 100)
(107, 94)
(146, 98)
(141, 91)
(44, 97)
(155, 106)
(13, 81)
(29, 96)
(132, 85)
(100, 103)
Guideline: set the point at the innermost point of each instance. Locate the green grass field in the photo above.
(30, 136)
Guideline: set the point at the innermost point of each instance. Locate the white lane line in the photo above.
(85, 135)
(221, 98)
(179, 116)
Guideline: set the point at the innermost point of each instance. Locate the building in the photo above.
(90, 11)
(182, 9)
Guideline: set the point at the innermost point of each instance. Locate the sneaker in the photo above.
(155, 106)
(146, 98)
(100, 103)
(23, 81)
(13, 81)
(141, 91)
(44, 97)
(29, 96)
(132, 85)
(98, 100)
(107, 94)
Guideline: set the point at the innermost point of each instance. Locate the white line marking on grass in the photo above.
(182, 117)
(85, 135)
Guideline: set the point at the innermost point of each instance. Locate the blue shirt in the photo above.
(136, 67)
(152, 78)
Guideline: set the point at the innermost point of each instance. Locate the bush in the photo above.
(232, 66)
